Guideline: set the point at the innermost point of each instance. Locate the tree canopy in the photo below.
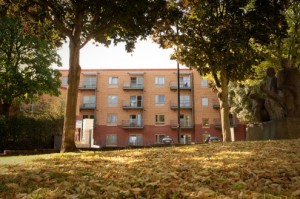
(104, 21)
(25, 61)
(218, 38)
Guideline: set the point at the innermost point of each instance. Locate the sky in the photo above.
(147, 54)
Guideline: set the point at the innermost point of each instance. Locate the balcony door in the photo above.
(89, 101)
(185, 81)
(136, 101)
(136, 81)
(185, 120)
(135, 120)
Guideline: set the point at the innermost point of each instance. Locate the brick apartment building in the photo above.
(139, 107)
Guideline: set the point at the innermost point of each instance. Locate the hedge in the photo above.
(25, 133)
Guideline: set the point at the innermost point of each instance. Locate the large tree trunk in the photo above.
(68, 143)
(224, 106)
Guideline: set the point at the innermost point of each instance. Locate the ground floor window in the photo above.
(111, 140)
(186, 139)
(136, 140)
(158, 138)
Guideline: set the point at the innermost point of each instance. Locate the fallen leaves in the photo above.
(266, 169)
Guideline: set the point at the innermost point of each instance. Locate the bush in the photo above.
(26, 133)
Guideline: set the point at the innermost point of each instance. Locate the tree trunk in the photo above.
(68, 143)
(224, 107)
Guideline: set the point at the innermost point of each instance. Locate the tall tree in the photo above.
(216, 37)
(104, 21)
(25, 61)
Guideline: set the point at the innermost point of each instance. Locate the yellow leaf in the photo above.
(136, 191)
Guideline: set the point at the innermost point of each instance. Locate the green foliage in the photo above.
(240, 103)
(223, 39)
(28, 133)
(44, 108)
(219, 35)
(288, 47)
(25, 62)
(104, 21)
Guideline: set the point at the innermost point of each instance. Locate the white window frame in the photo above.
(112, 100)
(204, 101)
(159, 80)
(112, 119)
(90, 82)
(89, 101)
(135, 139)
(160, 119)
(204, 83)
(137, 81)
(64, 81)
(185, 100)
(113, 81)
(159, 137)
(185, 81)
(113, 142)
(160, 100)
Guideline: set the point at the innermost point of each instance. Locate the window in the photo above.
(136, 82)
(159, 99)
(185, 120)
(204, 101)
(112, 100)
(64, 81)
(113, 81)
(204, 83)
(89, 101)
(185, 82)
(205, 122)
(112, 119)
(89, 82)
(111, 140)
(88, 117)
(136, 101)
(136, 140)
(135, 120)
(185, 101)
(159, 119)
(159, 81)
(158, 138)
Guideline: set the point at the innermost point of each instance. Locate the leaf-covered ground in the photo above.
(265, 169)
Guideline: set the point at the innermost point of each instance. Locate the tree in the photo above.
(217, 38)
(288, 47)
(104, 21)
(24, 65)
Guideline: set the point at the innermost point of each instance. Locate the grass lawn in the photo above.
(263, 169)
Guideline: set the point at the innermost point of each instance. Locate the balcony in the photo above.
(132, 124)
(132, 86)
(88, 106)
(184, 104)
(182, 86)
(133, 105)
(87, 86)
(183, 124)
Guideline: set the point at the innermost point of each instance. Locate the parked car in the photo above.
(212, 139)
(167, 140)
